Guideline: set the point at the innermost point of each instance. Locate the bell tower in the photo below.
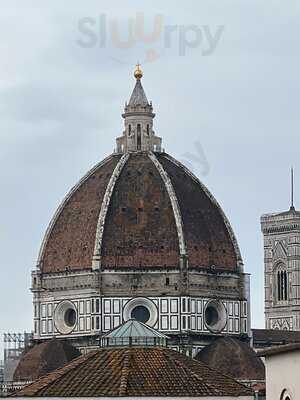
(281, 233)
(138, 115)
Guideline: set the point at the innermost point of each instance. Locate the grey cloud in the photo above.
(61, 104)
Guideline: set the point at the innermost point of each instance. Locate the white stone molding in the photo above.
(279, 252)
(104, 208)
(63, 203)
(218, 323)
(141, 301)
(60, 317)
(214, 201)
(174, 202)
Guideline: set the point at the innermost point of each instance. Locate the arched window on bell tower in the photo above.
(139, 137)
(129, 130)
(282, 284)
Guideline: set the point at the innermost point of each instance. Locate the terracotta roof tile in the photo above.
(135, 372)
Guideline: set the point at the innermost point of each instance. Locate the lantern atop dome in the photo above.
(138, 115)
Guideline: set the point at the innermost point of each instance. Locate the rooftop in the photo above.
(274, 350)
(270, 337)
(135, 371)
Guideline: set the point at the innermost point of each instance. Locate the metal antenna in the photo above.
(292, 189)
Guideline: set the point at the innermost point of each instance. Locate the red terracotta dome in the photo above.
(139, 210)
(234, 358)
(43, 358)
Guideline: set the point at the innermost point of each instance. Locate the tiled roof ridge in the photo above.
(46, 380)
(242, 386)
(208, 385)
(203, 365)
(179, 362)
(125, 373)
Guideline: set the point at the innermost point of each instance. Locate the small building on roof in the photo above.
(282, 371)
(133, 333)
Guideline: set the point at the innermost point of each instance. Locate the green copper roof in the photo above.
(134, 329)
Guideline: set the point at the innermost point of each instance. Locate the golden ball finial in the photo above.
(138, 73)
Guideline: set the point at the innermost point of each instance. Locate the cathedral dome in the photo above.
(139, 208)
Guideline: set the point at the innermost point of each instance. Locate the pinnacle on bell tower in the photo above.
(138, 115)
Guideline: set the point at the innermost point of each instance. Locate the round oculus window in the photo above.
(142, 309)
(65, 317)
(211, 316)
(215, 316)
(70, 317)
(141, 313)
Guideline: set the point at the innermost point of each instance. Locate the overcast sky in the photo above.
(224, 81)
